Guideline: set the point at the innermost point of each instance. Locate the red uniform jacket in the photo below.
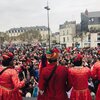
(79, 80)
(96, 75)
(9, 85)
(58, 84)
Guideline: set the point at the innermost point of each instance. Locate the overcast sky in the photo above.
(20, 13)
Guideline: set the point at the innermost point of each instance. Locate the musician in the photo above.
(79, 76)
(9, 81)
(57, 86)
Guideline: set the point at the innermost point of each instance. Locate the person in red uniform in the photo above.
(9, 81)
(96, 75)
(79, 76)
(58, 85)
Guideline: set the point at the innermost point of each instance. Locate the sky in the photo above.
(26, 13)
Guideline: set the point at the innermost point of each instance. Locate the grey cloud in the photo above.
(17, 13)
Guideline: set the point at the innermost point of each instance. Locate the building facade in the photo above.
(43, 30)
(95, 39)
(67, 32)
(90, 22)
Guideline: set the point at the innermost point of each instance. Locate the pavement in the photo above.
(93, 98)
(29, 98)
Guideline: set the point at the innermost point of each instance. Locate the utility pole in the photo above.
(47, 8)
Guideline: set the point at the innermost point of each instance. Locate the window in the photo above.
(67, 32)
(98, 39)
(98, 34)
(99, 19)
(22, 30)
(89, 38)
(15, 31)
(98, 44)
(63, 32)
(63, 39)
(18, 31)
(67, 39)
(91, 20)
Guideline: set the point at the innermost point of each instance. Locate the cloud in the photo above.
(19, 13)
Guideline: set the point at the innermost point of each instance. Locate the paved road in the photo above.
(93, 98)
(29, 99)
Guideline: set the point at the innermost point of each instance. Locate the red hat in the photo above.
(56, 50)
(7, 55)
(78, 57)
(10, 54)
(68, 49)
(99, 52)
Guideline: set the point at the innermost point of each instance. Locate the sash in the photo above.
(4, 70)
(48, 80)
(5, 88)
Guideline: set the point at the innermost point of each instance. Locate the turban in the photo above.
(50, 54)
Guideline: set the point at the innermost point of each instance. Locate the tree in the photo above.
(4, 36)
(30, 36)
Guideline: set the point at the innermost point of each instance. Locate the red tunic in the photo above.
(9, 85)
(57, 86)
(96, 75)
(79, 80)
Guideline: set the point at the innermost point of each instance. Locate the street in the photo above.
(29, 98)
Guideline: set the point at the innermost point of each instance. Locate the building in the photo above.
(90, 39)
(82, 40)
(84, 21)
(67, 32)
(90, 22)
(13, 32)
(95, 39)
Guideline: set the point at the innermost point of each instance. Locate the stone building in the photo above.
(67, 32)
(90, 22)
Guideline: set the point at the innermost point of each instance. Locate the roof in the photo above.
(94, 14)
(30, 28)
(66, 23)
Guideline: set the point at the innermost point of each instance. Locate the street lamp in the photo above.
(47, 8)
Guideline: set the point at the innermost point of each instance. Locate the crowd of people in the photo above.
(32, 63)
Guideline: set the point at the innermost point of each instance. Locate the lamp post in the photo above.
(47, 8)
